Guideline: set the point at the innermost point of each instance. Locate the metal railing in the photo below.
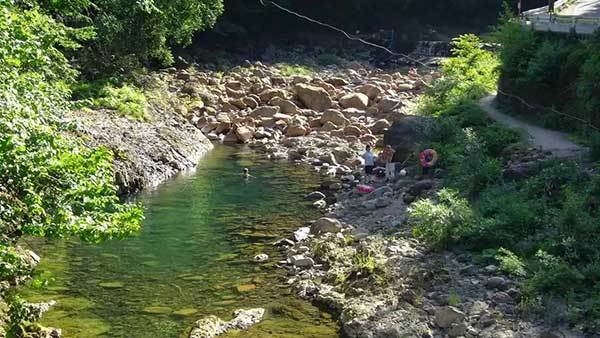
(561, 23)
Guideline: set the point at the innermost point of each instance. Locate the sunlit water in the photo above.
(192, 258)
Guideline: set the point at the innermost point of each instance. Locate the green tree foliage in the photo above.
(551, 71)
(51, 185)
(544, 229)
(132, 32)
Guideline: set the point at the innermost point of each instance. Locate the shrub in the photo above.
(511, 216)
(497, 137)
(329, 59)
(553, 274)
(129, 33)
(472, 170)
(443, 222)
(126, 101)
(510, 263)
(290, 70)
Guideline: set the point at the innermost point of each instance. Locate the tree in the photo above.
(130, 33)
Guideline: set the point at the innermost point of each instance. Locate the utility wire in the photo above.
(348, 36)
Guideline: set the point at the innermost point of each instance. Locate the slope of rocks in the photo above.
(146, 152)
(411, 291)
(321, 119)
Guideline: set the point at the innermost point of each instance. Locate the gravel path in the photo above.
(549, 140)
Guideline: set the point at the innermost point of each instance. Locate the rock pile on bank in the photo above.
(326, 118)
(212, 326)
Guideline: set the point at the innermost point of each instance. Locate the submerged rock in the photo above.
(315, 196)
(157, 310)
(213, 326)
(261, 258)
(111, 285)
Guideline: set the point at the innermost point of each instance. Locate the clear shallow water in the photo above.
(191, 259)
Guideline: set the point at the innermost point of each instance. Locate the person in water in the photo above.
(246, 173)
(369, 158)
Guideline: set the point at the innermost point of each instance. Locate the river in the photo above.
(192, 258)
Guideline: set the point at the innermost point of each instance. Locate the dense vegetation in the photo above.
(555, 74)
(543, 229)
(51, 184)
(127, 34)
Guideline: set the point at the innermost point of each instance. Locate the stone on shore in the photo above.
(314, 196)
(315, 98)
(213, 326)
(325, 225)
(355, 100)
(447, 316)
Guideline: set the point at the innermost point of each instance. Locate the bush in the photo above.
(443, 222)
(290, 70)
(127, 100)
(497, 137)
(129, 33)
(510, 263)
(329, 60)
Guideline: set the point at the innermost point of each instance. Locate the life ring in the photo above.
(428, 158)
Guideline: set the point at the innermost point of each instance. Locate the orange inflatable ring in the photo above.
(428, 158)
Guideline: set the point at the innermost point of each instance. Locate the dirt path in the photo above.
(550, 140)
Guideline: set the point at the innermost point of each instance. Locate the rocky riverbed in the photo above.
(361, 260)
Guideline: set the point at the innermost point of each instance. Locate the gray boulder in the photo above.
(325, 225)
(405, 135)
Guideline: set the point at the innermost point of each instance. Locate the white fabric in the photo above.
(369, 158)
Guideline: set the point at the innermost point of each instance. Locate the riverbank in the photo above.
(363, 261)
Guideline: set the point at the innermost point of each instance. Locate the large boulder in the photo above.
(268, 94)
(371, 90)
(212, 326)
(334, 116)
(265, 111)
(244, 134)
(448, 315)
(380, 126)
(250, 102)
(312, 97)
(387, 104)
(355, 100)
(405, 135)
(325, 225)
(287, 106)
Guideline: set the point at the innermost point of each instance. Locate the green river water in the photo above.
(191, 259)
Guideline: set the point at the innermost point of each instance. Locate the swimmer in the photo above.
(246, 173)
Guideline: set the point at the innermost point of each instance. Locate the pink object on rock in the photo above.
(364, 189)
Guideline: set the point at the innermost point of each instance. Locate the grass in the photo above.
(124, 99)
(295, 69)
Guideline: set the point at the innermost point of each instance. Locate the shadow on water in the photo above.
(192, 258)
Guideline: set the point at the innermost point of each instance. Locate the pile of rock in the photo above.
(325, 118)
(212, 326)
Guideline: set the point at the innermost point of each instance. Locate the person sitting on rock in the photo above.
(369, 158)
(387, 157)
